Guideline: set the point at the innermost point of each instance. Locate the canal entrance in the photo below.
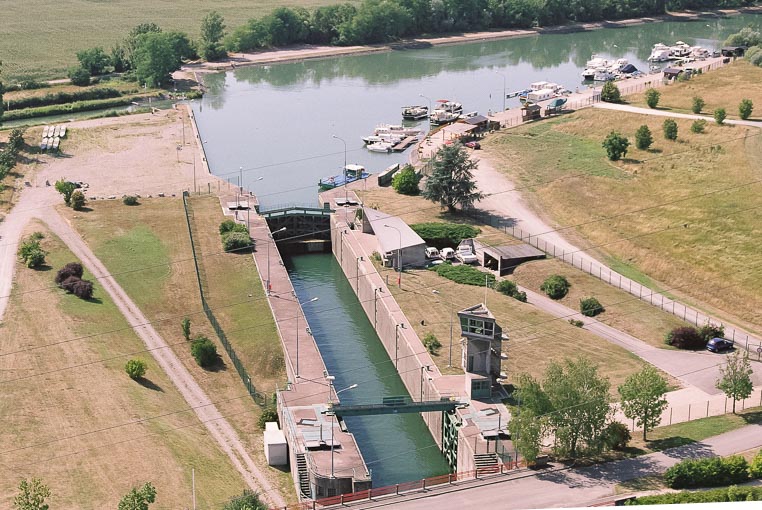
(396, 448)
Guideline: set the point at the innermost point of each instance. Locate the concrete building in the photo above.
(276, 449)
(394, 237)
(482, 341)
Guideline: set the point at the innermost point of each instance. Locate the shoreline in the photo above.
(195, 72)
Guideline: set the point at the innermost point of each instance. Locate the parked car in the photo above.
(465, 255)
(474, 145)
(432, 253)
(719, 345)
(447, 254)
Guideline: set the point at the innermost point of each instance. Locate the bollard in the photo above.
(397, 489)
(449, 478)
(689, 412)
(707, 409)
(670, 416)
(423, 484)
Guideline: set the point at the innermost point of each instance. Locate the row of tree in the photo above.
(11, 153)
(750, 38)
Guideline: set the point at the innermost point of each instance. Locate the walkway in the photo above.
(657, 112)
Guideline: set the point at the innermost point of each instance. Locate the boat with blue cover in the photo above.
(351, 173)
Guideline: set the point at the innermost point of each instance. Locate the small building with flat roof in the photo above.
(395, 238)
(504, 259)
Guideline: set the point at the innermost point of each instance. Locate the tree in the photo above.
(269, 414)
(670, 129)
(236, 241)
(79, 76)
(643, 397)
(78, 200)
(32, 495)
(130, 200)
(71, 269)
(719, 116)
(652, 97)
(138, 499)
(155, 58)
(527, 431)
(590, 307)
(2, 105)
(83, 289)
(745, 108)
(133, 40)
(249, 500)
(406, 181)
(66, 188)
(186, 324)
(610, 93)
(31, 253)
(432, 343)
(452, 182)
(697, 105)
(212, 32)
(204, 351)
(698, 126)
(735, 379)
(555, 286)
(616, 146)
(136, 368)
(643, 138)
(94, 60)
(685, 337)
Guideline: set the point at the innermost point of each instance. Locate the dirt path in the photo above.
(676, 115)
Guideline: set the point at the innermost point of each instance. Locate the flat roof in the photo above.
(459, 128)
(514, 251)
(478, 119)
(388, 238)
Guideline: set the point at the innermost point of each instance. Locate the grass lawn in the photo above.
(719, 89)
(147, 248)
(52, 413)
(695, 240)
(623, 312)
(39, 39)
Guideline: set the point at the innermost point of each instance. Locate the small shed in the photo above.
(733, 51)
(504, 259)
(670, 73)
(480, 121)
(276, 448)
(458, 130)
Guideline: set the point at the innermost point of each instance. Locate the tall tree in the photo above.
(32, 495)
(138, 499)
(452, 181)
(247, 501)
(155, 59)
(212, 32)
(132, 41)
(643, 398)
(2, 107)
(735, 379)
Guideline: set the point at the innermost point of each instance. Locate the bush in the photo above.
(130, 200)
(709, 331)
(236, 241)
(136, 368)
(78, 200)
(35, 259)
(610, 93)
(443, 235)
(555, 286)
(755, 468)
(432, 343)
(79, 76)
(616, 146)
(204, 351)
(697, 105)
(745, 108)
(227, 226)
(405, 182)
(576, 322)
(652, 98)
(724, 495)
(63, 109)
(590, 307)
(670, 129)
(617, 436)
(685, 337)
(83, 289)
(31, 253)
(643, 138)
(698, 126)
(464, 274)
(509, 288)
(719, 116)
(709, 472)
(249, 500)
(70, 269)
(269, 414)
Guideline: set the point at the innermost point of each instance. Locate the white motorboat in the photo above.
(448, 106)
(604, 75)
(384, 137)
(596, 61)
(395, 129)
(680, 49)
(439, 117)
(415, 112)
(379, 147)
(660, 53)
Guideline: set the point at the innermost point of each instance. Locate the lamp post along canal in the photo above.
(346, 191)
(503, 76)
(430, 112)
(298, 311)
(330, 404)
(452, 312)
(272, 240)
(399, 254)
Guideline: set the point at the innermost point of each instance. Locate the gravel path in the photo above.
(676, 115)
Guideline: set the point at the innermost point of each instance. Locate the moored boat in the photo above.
(350, 173)
(415, 112)
(379, 147)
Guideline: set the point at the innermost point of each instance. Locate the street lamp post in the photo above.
(430, 112)
(272, 240)
(501, 74)
(397, 328)
(452, 312)
(330, 403)
(346, 192)
(399, 255)
(297, 330)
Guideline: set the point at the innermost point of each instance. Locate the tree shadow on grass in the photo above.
(631, 161)
(752, 417)
(43, 267)
(655, 151)
(147, 383)
(690, 450)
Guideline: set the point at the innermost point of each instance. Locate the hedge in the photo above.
(443, 235)
(464, 274)
(708, 472)
(64, 97)
(726, 494)
(79, 106)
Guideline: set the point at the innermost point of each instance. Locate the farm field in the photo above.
(39, 39)
(684, 213)
(72, 417)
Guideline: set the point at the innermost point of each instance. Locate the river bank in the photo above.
(195, 72)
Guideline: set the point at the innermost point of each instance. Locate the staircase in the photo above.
(304, 476)
(486, 463)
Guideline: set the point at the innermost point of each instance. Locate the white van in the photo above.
(447, 254)
(432, 253)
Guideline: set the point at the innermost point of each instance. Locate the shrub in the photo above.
(62, 109)
(719, 116)
(78, 200)
(269, 414)
(755, 468)
(136, 368)
(709, 331)
(685, 337)
(745, 108)
(698, 126)
(617, 435)
(130, 200)
(65, 188)
(236, 241)
(652, 98)
(227, 226)
(616, 146)
(79, 76)
(432, 343)
(509, 288)
(37, 236)
(405, 182)
(59, 98)
(590, 307)
(726, 494)
(464, 274)
(643, 138)
(708, 472)
(83, 289)
(610, 93)
(670, 129)
(555, 286)
(68, 283)
(442, 235)
(204, 351)
(70, 269)
(249, 500)
(35, 259)
(576, 322)
(31, 253)
(697, 105)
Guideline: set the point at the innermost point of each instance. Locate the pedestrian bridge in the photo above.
(302, 223)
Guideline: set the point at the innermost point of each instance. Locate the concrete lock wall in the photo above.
(401, 343)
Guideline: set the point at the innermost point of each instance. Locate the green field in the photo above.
(39, 39)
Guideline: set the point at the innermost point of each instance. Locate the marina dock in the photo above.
(404, 144)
